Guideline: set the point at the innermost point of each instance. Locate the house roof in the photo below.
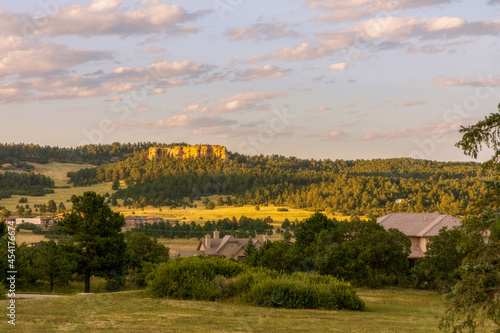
(217, 244)
(418, 224)
(153, 217)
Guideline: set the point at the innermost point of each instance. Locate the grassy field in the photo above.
(28, 237)
(200, 214)
(57, 171)
(388, 310)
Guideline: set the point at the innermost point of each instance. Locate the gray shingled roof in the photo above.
(218, 243)
(418, 224)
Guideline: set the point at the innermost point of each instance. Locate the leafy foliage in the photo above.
(143, 250)
(476, 297)
(439, 269)
(211, 278)
(304, 291)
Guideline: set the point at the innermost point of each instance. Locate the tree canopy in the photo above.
(476, 297)
(95, 233)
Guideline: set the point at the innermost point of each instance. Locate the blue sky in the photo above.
(311, 78)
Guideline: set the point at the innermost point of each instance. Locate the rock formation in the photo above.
(188, 152)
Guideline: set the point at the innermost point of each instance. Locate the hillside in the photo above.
(360, 187)
(159, 176)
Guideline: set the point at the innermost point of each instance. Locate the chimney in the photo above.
(216, 234)
(265, 238)
(208, 243)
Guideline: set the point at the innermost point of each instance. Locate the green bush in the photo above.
(304, 291)
(209, 278)
(197, 278)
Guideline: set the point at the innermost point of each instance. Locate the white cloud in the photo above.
(388, 29)
(24, 59)
(493, 81)
(371, 136)
(338, 67)
(410, 103)
(352, 10)
(108, 17)
(304, 51)
(262, 31)
(335, 135)
(268, 72)
(245, 101)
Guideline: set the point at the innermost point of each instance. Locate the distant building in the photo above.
(136, 220)
(419, 228)
(32, 220)
(7, 166)
(228, 246)
(11, 220)
(42, 221)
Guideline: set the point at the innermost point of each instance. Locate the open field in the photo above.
(388, 310)
(179, 244)
(200, 214)
(28, 237)
(57, 171)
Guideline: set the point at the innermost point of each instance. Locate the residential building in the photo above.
(419, 228)
(227, 246)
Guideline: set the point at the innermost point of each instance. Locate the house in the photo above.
(32, 220)
(11, 220)
(227, 246)
(152, 219)
(419, 228)
(48, 221)
(136, 220)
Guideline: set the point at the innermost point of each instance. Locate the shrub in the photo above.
(209, 278)
(197, 278)
(305, 291)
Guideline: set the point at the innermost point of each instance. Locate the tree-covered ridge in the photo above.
(34, 184)
(360, 187)
(244, 227)
(92, 154)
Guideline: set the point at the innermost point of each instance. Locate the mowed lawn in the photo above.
(388, 310)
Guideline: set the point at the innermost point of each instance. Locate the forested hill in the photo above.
(19, 154)
(360, 187)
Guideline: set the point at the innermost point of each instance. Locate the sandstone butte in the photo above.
(188, 152)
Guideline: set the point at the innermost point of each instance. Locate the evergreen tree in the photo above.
(50, 263)
(95, 231)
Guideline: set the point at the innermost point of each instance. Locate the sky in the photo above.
(322, 79)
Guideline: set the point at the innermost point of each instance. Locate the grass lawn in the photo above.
(388, 310)
(28, 237)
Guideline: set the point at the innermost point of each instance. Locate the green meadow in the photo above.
(388, 310)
